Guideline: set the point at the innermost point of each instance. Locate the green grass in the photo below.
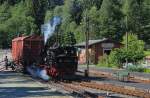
(147, 53)
(147, 70)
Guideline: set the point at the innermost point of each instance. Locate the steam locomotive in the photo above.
(62, 61)
(59, 61)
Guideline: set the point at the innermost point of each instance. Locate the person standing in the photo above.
(6, 62)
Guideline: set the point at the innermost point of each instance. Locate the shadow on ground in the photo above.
(16, 85)
(17, 92)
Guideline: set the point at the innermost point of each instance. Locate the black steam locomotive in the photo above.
(61, 61)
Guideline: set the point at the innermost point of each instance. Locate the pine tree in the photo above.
(110, 19)
(37, 9)
(69, 39)
(137, 17)
(145, 21)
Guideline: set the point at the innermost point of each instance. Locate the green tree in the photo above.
(137, 19)
(37, 9)
(145, 21)
(111, 19)
(135, 50)
(69, 39)
(15, 20)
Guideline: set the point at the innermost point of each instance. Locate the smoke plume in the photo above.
(49, 28)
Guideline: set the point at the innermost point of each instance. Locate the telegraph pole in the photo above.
(87, 45)
(127, 38)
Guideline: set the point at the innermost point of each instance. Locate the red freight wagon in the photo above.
(27, 49)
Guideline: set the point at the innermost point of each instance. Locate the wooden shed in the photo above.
(97, 48)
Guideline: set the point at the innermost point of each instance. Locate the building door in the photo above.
(106, 51)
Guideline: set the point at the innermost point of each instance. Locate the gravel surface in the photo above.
(116, 82)
(138, 74)
(131, 84)
(15, 85)
(102, 92)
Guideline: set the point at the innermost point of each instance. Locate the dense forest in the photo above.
(105, 18)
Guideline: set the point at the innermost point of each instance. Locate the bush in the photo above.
(147, 70)
(109, 61)
(103, 61)
(136, 68)
(147, 53)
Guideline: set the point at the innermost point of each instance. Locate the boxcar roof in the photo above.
(19, 38)
(32, 37)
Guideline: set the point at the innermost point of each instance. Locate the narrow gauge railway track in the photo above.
(125, 90)
(79, 89)
(73, 89)
(110, 76)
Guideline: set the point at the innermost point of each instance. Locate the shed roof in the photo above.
(92, 42)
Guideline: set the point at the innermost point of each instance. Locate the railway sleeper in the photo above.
(79, 94)
(147, 96)
(138, 94)
(91, 95)
(113, 89)
(118, 89)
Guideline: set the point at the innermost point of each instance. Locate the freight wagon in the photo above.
(27, 49)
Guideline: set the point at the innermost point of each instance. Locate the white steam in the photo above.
(49, 28)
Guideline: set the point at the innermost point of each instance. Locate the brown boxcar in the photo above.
(27, 49)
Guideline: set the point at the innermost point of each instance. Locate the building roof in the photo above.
(91, 42)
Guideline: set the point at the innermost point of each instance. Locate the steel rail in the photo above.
(110, 76)
(126, 90)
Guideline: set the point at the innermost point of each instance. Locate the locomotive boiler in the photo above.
(61, 61)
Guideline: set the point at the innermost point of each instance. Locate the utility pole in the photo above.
(127, 38)
(87, 45)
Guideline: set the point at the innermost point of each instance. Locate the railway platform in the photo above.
(16, 85)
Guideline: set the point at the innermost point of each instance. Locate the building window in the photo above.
(106, 51)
